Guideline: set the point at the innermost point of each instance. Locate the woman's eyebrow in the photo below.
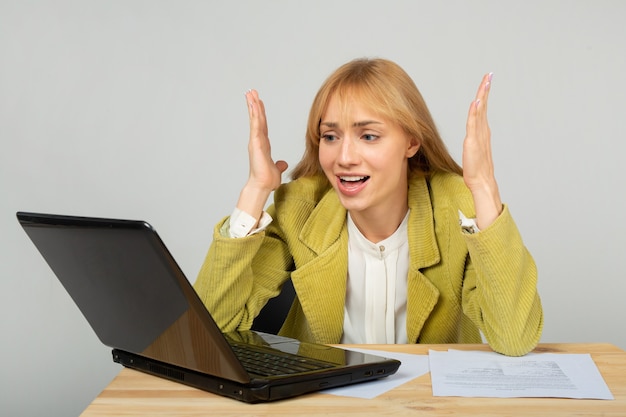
(366, 123)
(362, 123)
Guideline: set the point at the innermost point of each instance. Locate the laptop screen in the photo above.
(130, 290)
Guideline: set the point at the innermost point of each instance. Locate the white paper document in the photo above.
(412, 366)
(489, 374)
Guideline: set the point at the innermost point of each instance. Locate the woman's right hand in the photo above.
(265, 174)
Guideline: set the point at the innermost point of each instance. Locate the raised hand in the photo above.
(265, 174)
(478, 169)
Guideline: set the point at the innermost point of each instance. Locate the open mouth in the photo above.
(353, 180)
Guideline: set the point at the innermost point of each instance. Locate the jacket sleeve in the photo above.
(239, 275)
(500, 288)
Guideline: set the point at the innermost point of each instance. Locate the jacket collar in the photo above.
(332, 215)
(423, 250)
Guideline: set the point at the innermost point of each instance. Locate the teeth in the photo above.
(352, 178)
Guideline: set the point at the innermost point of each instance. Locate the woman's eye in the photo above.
(369, 137)
(329, 137)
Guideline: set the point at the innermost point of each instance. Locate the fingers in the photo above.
(252, 98)
(256, 112)
(477, 159)
(282, 166)
(477, 115)
(482, 95)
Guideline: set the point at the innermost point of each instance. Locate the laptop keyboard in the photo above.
(266, 363)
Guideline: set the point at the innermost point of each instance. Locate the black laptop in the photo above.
(138, 301)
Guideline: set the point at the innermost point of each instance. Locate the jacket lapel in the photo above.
(323, 276)
(422, 295)
(323, 272)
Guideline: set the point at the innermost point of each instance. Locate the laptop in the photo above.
(138, 302)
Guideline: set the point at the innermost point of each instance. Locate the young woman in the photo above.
(385, 238)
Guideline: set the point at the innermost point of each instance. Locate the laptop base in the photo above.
(257, 392)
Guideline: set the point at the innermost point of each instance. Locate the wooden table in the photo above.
(133, 393)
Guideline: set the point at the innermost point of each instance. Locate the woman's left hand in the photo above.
(478, 170)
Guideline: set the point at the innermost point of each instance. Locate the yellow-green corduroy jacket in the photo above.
(457, 284)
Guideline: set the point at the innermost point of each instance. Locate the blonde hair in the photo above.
(386, 89)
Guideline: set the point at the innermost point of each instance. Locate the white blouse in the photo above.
(375, 309)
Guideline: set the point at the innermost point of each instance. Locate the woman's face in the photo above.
(365, 157)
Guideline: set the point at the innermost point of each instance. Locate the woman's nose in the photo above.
(348, 154)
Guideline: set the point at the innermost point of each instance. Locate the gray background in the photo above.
(135, 109)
